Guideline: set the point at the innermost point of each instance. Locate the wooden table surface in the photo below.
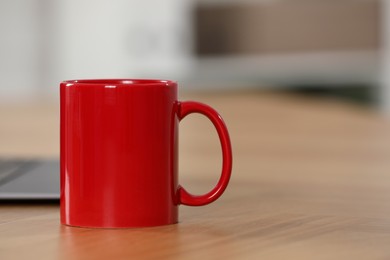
(311, 180)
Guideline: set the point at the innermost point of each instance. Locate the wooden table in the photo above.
(311, 180)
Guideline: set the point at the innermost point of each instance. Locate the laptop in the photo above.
(29, 179)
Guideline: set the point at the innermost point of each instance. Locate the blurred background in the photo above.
(314, 47)
(242, 57)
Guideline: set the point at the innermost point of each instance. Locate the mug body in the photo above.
(119, 141)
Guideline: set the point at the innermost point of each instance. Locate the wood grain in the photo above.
(310, 181)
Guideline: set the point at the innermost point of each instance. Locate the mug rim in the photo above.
(120, 82)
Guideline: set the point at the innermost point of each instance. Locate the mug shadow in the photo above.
(172, 241)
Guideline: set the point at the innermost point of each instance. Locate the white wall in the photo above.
(19, 49)
(124, 39)
(45, 41)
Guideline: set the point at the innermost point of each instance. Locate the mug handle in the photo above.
(186, 198)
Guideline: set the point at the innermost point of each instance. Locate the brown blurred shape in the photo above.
(286, 26)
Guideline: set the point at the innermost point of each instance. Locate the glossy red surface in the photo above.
(119, 146)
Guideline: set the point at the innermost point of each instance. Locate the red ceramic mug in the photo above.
(119, 149)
